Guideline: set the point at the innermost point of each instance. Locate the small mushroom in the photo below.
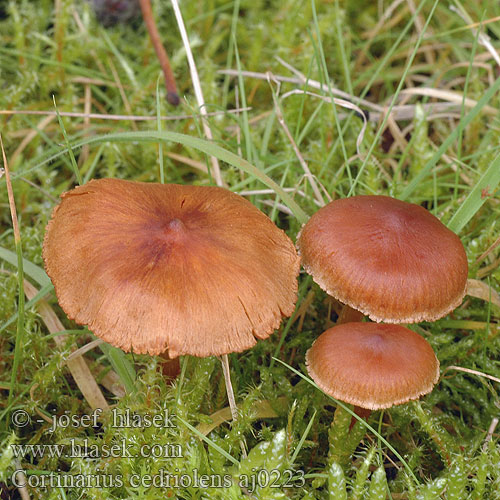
(372, 365)
(155, 267)
(392, 260)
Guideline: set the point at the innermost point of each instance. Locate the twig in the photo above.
(279, 206)
(295, 190)
(446, 95)
(302, 81)
(147, 14)
(472, 372)
(376, 113)
(197, 89)
(100, 116)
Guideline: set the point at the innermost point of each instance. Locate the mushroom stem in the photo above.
(342, 437)
(170, 368)
(349, 315)
(364, 413)
(229, 387)
(230, 395)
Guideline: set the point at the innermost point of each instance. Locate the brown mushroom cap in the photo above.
(391, 260)
(149, 267)
(372, 365)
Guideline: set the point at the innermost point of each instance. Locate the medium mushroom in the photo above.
(155, 267)
(392, 260)
(372, 365)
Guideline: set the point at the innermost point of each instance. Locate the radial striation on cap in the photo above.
(372, 365)
(391, 260)
(150, 267)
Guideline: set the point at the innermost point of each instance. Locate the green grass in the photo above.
(446, 160)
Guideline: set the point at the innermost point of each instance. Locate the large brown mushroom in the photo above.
(393, 261)
(152, 267)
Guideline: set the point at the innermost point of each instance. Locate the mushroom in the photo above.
(372, 365)
(154, 267)
(392, 260)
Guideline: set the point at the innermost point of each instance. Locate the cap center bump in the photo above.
(176, 225)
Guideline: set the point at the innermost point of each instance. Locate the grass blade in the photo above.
(477, 197)
(33, 271)
(357, 417)
(70, 151)
(209, 441)
(202, 145)
(20, 279)
(122, 366)
(40, 295)
(414, 183)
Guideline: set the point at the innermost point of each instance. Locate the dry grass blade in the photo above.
(376, 113)
(18, 349)
(78, 368)
(30, 136)
(447, 95)
(339, 102)
(303, 81)
(483, 39)
(488, 251)
(86, 348)
(10, 195)
(480, 290)
(103, 116)
(111, 381)
(484, 271)
(262, 409)
(294, 190)
(198, 165)
(305, 167)
(197, 89)
(472, 372)
(387, 15)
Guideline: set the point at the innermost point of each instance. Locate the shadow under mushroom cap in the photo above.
(149, 267)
